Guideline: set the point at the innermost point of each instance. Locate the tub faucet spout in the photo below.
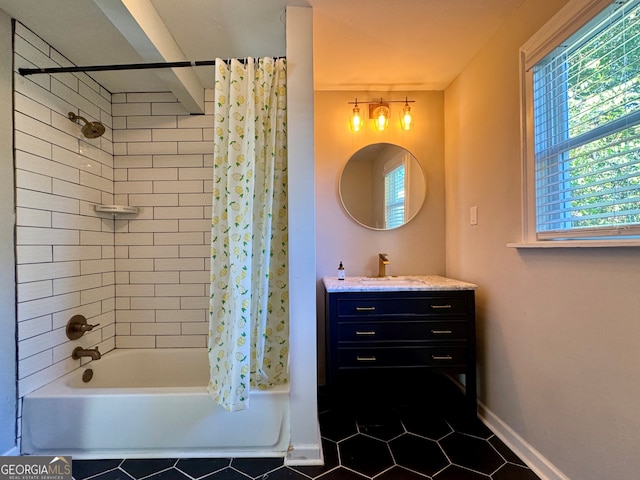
(383, 261)
(80, 352)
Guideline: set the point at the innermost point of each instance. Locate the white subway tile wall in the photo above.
(65, 251)
(144, 279)
(163, 161)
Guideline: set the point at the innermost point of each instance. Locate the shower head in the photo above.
(89, 129)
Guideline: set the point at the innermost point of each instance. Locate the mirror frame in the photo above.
(364, 155)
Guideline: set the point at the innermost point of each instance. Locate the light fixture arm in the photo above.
(358, 102)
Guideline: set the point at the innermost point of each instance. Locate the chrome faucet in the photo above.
(80, 352)
(383, 261)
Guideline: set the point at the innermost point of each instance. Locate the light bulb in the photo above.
(356, 119)
(406, 120)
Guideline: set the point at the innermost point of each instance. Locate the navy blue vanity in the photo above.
(393, 324)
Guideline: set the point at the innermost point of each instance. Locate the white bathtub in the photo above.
(150, 403)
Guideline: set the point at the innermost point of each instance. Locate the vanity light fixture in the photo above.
(379, 112)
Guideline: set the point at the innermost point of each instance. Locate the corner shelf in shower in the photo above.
(117, 209)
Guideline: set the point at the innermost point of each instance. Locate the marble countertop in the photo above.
(395, 284)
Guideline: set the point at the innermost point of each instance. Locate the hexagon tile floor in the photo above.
(363, 438)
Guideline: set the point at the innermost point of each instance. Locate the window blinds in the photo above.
(586, 97)
(394, 191)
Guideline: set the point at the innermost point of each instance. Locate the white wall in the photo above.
(8, 367)
(305, 432)
(558, 329)
(64, 250)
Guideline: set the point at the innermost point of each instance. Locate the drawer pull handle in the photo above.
(441, 306)
(441, 332)
(367, 332)
(365, 359)
(365, 309)
(442, 357)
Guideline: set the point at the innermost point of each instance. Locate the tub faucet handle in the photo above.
(77, 326)
(86, 328)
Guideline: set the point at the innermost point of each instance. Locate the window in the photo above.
(394, 191)
(582, 123)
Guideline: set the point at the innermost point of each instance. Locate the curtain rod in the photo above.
(130, 66)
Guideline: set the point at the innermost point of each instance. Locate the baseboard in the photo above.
(537, 462)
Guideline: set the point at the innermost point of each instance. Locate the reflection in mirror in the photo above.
(382, 186)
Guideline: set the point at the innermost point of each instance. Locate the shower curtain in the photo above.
(248, 307)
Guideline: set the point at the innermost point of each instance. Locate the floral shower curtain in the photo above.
(248, 308)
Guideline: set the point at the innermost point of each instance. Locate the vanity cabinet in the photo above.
(385, 331)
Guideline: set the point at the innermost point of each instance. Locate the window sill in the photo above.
(576, 244)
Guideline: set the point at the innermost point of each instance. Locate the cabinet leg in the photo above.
(471, 394)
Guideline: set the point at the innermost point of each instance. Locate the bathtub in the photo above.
(150, 403)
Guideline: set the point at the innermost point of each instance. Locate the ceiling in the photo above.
(372, 45)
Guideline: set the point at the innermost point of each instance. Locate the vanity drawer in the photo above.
(402, 331)
(381, 306)
(372, 357)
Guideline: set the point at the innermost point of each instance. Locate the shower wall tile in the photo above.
(152, 174)
(44, 201)
(154, 226)
(28, 217)
(137, 341)
(26, 35)
(132, 161)
(35, 363)
(33, 254)
(176, 134)
(151, 122)
(168, 108)
(34, 327)
(32, 108)
(62, 268)
(155, 303)
(34, 290)
(32, 163)
(133, 135)
(34, 181)
(126, 109)
(45, 271)
(75, 284)
(187, 317)
(140, 148)
(133, 187)
(163, 97)
(31, 144)
(162, 254)
(199, 328)
(195, 147)
(194, 212)
(182, 341)
(155, 329)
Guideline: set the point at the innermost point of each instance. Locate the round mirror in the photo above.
(382, 186)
